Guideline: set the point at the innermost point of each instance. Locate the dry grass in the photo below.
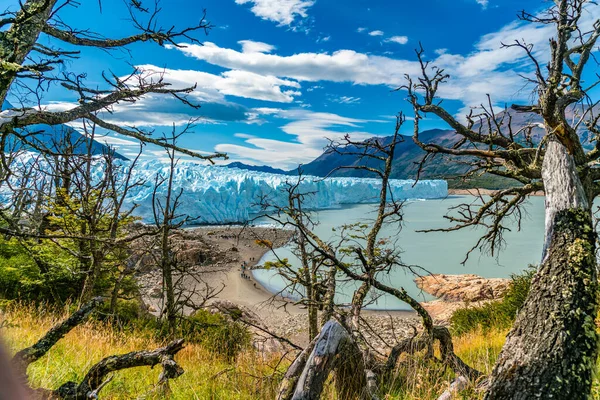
(208, 376)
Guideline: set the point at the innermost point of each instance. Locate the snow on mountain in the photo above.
(226, 195)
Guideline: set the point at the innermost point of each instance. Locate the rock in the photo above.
(464, 288)
(233, 310)
(156, 292)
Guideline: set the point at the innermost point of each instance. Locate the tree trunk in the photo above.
(333, 345)
(551, 350)
(89, 284)
(17, 42)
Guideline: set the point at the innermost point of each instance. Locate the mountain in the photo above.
(406, 159)
(53, 137)
(408, 154)
(257, 168)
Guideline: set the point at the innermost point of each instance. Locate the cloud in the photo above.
(483, 3)
(308, 132)
(361, 29)
(283, 12)
(347, 100)
(397, 39)
(239, 83)
(487, 64)
(376, 33)
(250, 46)
(339, 66)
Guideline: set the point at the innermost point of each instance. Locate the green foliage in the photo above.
(126, 312)
(42, 274)
(221, 335)
(216, 332)
(496, 314)
(485, 181)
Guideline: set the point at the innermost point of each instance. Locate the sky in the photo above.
(275, 78)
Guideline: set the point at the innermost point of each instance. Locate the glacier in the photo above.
(219, 195)
(222, 195)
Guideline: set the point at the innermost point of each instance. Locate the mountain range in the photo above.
(408, 155)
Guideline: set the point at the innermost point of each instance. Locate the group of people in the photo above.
(243, 274)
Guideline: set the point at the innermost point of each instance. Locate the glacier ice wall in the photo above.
(220, 195)
(227, 195)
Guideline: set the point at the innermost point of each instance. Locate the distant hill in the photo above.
(258, 168)
(408, 155)
(52, 136)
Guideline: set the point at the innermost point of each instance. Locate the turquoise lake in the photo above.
(436, 252)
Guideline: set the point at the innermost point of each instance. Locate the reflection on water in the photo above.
(436, 252)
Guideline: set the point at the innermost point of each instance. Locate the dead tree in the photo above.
(99, 374)
(31, 67)
(552, 349)
(363, 256)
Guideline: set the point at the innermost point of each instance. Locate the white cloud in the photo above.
(238, 83)
(361, 29)
(339, 66)
(397, 39)
(250, 46)
(347, 100)
(283, 12)
(376, 33)
(483, 3)
(308, 132)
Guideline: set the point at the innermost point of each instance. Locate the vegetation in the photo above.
(208, 375)
(499, 314)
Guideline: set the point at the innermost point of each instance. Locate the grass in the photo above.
(207, 376)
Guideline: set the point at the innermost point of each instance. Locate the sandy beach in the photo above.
(224, 250)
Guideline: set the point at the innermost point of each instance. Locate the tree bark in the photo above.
(562, 187)
(552, 348)
(99, 372)
(17, 42)
(331, 346)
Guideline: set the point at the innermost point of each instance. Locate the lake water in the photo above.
(436, 252)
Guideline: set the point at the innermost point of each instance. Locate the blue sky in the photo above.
(275, 77)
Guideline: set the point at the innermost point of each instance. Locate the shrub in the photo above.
(264, 243)
(216, 332)
(496, 314)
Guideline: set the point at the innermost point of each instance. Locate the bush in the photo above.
(498, 314)
(216, 332)
(21, 277)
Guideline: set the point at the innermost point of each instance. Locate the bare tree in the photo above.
(363, 256)
(30, 66)
(552, 349)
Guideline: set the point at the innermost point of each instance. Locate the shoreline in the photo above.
(483, 192)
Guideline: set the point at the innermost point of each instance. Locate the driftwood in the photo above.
(23, 358)
(100, 373)
(457, 385)
(305, 378)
